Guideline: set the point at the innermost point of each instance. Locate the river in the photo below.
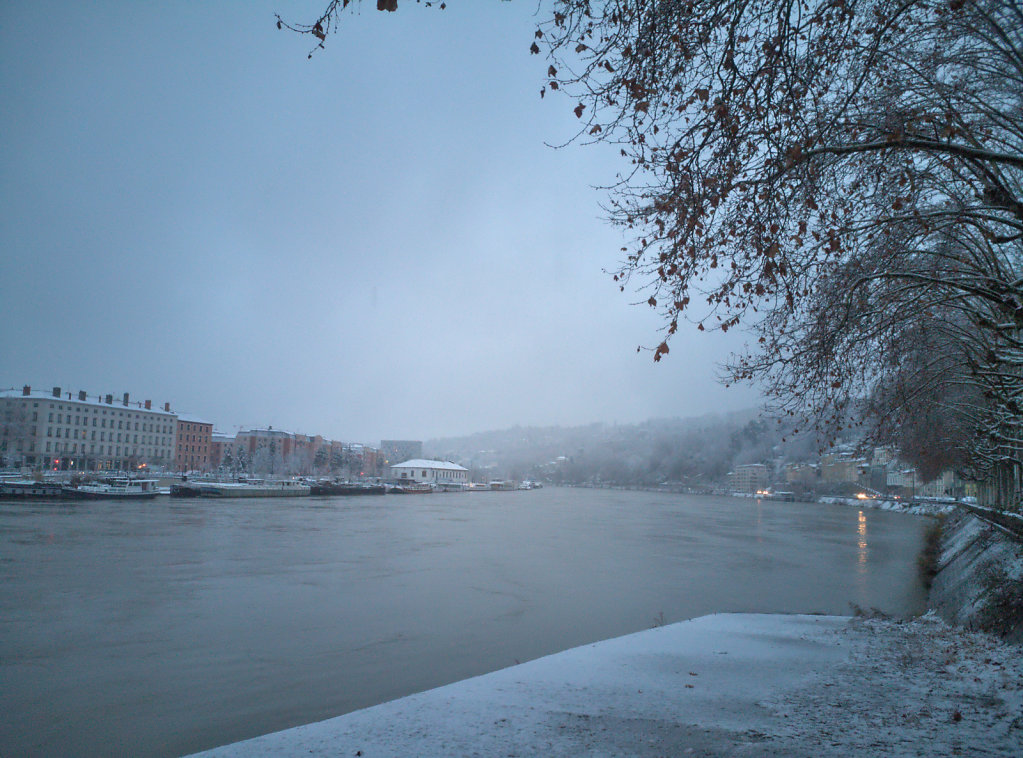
(164, 627)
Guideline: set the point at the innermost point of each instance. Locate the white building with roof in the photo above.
(71, 431)
(436, 472)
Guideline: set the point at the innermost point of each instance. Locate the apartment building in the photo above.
(193, 444)
(76, 431)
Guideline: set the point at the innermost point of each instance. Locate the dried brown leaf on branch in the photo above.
(770, 146)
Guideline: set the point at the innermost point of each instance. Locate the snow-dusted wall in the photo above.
(979, 584)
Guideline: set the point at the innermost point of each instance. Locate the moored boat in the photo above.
(346, 488)
(254, 488)
(185, 489)
(27, 488)
(413, 488)
(120, 488)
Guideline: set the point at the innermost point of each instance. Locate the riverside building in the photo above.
(193, 444)
(749, 477)
(69, 431)
(427, 471)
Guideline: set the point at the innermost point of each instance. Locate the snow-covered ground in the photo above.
(726, 684)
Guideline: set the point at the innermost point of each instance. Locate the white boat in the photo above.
(254, 488)
(121, 488)
(413, 488)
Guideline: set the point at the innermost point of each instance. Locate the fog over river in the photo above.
(165, 627)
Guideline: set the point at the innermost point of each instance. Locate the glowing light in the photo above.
(862, 496)
(862, 542)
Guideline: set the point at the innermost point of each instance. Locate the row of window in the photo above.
(74, 447)
(18, 446)
(68, 433)
(121, 414)
(84, 421)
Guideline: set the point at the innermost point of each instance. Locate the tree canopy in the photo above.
(841, 178)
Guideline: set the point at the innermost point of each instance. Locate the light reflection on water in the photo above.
(861, 544)
(168, 627)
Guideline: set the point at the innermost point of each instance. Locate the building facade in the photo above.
(220, 444)
(362, 460)
(946, 484)
(902, 480)
(843, 468)
(263, 451)
(749, 477)
(806, 475)
(436, 472)
(192, 447)
(68, 431)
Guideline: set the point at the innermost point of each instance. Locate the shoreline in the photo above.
(914, 508)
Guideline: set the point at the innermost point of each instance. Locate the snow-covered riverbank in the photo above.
(913, 508)
(736, 684)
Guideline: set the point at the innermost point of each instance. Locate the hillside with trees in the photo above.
(696, 453)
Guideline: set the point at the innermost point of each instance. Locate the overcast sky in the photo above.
(375, 243)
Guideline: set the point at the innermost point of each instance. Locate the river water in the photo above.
(164, 627)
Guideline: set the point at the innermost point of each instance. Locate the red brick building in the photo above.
(220, 443)
(193, 444)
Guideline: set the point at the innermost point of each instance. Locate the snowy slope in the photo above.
(736, 684)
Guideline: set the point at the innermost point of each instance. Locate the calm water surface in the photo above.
(165, 627)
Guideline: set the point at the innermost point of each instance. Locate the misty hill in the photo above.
(696, 451)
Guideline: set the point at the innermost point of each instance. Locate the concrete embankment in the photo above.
(979, 579)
